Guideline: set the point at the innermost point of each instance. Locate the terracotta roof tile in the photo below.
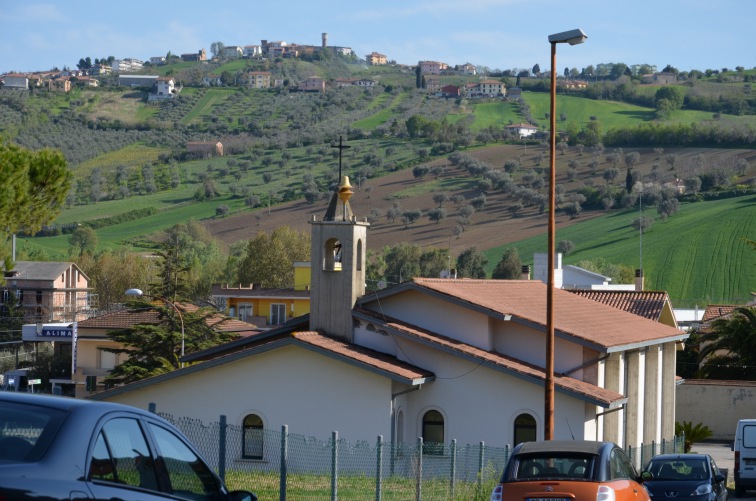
(124, 319)
(714, 311)
(363, 355)
(575, 316)
(510, 364)
(647, 304)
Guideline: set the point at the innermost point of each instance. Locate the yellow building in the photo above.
(267, 308)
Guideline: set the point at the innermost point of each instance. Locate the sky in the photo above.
(500, 34)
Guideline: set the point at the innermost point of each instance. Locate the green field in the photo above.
(382, 116)
(698, 256)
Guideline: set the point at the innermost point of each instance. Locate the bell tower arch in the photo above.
(338, 265)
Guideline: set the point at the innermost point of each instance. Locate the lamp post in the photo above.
(571, 37)
(138, 292)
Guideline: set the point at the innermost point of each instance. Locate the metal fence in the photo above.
(298, 467)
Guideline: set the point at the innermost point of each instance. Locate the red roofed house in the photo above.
(440, 359)
(92, 338)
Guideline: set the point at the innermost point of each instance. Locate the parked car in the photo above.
(57, 448)
(565, 470)
(694, 477)
(745, 456)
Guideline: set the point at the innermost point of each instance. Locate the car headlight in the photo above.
(702, 489)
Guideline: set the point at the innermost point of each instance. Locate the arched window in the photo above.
(524, 429)
(332, 255)
(433, 433)
(252, 437)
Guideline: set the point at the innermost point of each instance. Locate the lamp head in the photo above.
(134, 292)
(572, 37)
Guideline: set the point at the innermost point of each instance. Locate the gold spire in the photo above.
(345, 190)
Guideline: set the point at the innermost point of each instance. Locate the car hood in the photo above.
(673, 485)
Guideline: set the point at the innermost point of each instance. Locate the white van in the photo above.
(745, 456)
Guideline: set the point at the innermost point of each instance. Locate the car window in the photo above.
(121, 455)
(620, 466)
(190, 477)
(678, 469)
(26, 430)
(563, 465)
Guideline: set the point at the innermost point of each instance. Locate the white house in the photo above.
(15, 81)
(251, 51)
(522, 130)
(440, 359)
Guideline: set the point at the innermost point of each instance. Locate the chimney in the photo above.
(525, 275)
(325, 40)
(639, 280)
(453, 273)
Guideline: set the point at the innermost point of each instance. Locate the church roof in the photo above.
(365, 358)
(604, 328)
(595, 395)
(336, 211)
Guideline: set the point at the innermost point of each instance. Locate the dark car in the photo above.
(568, 470)
(63, 448)
(689, 477)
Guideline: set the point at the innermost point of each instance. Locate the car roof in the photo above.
(67, 404)
(582, 446)
(680, 457)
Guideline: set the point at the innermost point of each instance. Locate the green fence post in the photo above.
(335, 467)
(222, 448)
(379, 468)
(481, 459)
(452, 481)
(284, 453)
(419, 481)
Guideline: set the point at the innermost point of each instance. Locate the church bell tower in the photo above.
(337, 266)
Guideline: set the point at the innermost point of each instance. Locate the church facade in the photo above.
(440, 359)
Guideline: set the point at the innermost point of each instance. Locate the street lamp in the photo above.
(571, 37)
(138, 292)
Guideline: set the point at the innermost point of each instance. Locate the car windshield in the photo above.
(25, 430)
(678, 469)
(562, 465)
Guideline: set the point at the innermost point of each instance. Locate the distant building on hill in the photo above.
(205, 149)
(201, 55)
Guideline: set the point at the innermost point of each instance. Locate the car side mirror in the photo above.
(719, 478)
(647, 475)
(241, 496)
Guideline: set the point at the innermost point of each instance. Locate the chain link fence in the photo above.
(278, 465)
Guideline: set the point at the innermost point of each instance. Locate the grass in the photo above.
(610, 114)
(357, 487)
(383, 115)
(134, 155)
(494, 113)
(204, 107)
(693, 255)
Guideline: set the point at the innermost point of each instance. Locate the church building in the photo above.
(440, 359)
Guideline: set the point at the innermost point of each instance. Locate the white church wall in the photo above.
(529, 345)
(479, 403)
(439, 316)
(312, 394)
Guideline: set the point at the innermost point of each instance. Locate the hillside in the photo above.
(725, 275)
(134, 177)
